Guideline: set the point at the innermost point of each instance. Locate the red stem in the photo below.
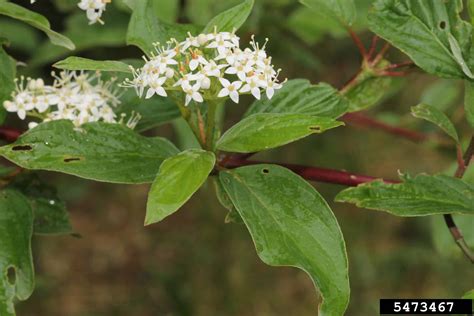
(9, 134)
(358, 43)
(362, 120)
(312, 173)
(373, 46)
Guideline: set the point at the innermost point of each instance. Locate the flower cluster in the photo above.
(76, 96)
(207, 66)
(94, 9)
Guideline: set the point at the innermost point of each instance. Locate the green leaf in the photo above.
(224, 199)
(269, 130)
(36, 20)
(154, 112)
(369, 90)
(185, 137)
(419, 196)
(97, 151)
(469, 295)
(145, 28)
(7, 77)
(469, 101)
(312, 27)
(231, 19)
(26, 38)
(51, 217)
(50, 213)
(177, 180)
(85, 36)
(441, 94)
(16, 229)
(300, 96)
(343, 10)
(292, 225)
(79, 63)
(168, 9)
(431, 32)
(435, 116)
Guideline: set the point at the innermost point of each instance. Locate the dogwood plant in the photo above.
(90, 127)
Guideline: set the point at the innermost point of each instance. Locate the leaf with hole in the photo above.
(79, 63)
(300, 96)
(97, 151)
(419, 196)
(431, 32)
(437, 117)
(263, 131)
(177, 180)
(16, 261)
(292, 225)
(231, 19)
(36, 20)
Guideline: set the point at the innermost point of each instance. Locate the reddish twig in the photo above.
(365, 121)
(463, 163)
(358, 43)
(399, 65)
(310, 173)
(385, 73)
(9, 134)
(373, 46)
(380, 55)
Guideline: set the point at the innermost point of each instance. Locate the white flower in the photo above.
(253, 86)
(240, 69)
(230, 89)
(271, 87)
(94, 9)
(212, 69)
(156, 86)
(196, 61)
(19, 107)
(192, 93)
(222, 41)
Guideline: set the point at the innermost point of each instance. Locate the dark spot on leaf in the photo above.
(22, 148)
(442, 25)
(315, 129)
(11, 275)
(265, 170)
(71, 159)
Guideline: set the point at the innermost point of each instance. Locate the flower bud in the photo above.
(202, 39)
(169, 73)
(205, 83)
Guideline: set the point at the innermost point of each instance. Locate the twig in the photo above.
(373, 46)
(463, 163)
(358, 43)
(9, 134)
(400, 65)
(365, 121)
(310, 173)
(380, 55)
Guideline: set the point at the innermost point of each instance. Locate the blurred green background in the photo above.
(194, 264)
